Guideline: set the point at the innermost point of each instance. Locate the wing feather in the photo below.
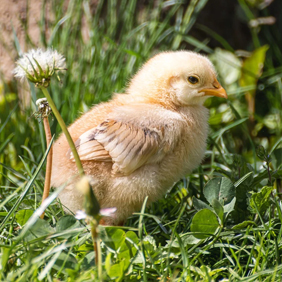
(127, 146)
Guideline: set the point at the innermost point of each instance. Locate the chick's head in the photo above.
(180, 78)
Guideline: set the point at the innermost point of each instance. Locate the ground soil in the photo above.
(16, 15)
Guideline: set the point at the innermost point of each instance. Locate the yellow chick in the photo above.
(140, 143)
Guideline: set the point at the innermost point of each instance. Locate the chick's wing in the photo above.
(128, 146)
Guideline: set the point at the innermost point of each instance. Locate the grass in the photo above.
(167, 241)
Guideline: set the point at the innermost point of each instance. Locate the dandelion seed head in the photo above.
(44, 110)
(38, 66)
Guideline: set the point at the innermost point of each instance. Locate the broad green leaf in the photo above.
(116, 237)
(116, 271)
(108, 262)
(127, 250)
(205, 222)
(199, 205)
(89, 259)
(190, 240)
(230, 206)
(227, 64)
(66, 222)
(252, 67)
(65, 261)
(23, 216)
(41, 228)
(221, 189)
(131, 238)
(215, 117)
(125, 253)
(276, 158)
(150, 245)
(260, 200)
(218, 208)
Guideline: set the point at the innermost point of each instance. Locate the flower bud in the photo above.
(91, 204)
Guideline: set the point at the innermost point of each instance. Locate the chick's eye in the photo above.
(193, 79)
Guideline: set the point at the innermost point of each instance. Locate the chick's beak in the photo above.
(217, 90)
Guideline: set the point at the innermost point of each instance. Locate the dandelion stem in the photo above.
(96, 245)
(64, 129)
(49, 161)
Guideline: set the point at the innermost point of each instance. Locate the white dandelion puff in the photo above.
(39, 66)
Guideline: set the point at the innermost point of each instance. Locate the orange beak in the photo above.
(217, 91)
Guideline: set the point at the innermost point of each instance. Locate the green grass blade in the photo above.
(28, 186)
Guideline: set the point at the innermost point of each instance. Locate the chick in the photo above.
(140, 143)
